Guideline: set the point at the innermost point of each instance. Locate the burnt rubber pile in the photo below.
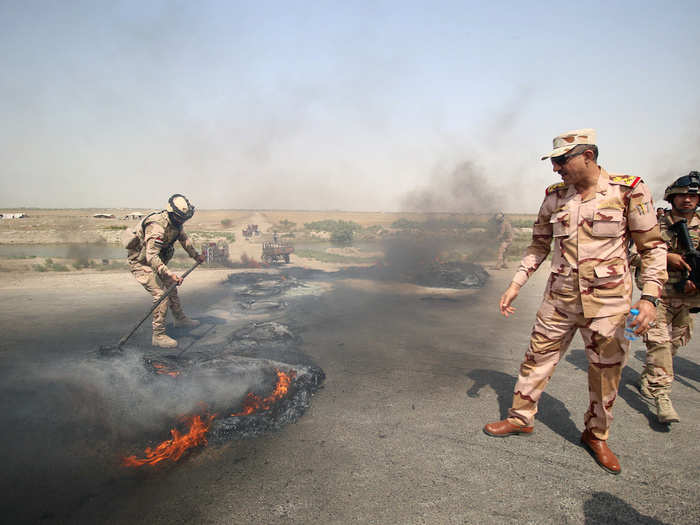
(258, 381)
(431, 273)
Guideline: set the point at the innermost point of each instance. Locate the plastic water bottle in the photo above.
(629, 331)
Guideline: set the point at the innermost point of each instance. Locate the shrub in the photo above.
(50, 266)
(343, 235)
(81, 263)
(342, 232)
(226, 223)
(285, 225)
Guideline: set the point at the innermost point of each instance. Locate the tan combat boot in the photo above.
(186, 322)
(163, 341)
(665, 412)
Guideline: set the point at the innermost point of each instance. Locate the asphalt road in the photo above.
(394, 437)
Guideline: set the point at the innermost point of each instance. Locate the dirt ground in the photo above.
(394, 437)
(44, 226)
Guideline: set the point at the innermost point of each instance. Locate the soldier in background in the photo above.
(505, 237)
(591, 216)
(148, 256)
(679, 296)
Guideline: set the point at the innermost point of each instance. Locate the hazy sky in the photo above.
(336, 105)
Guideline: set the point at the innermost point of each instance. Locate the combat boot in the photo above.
(665, 412)
(186, 322)
(643, 386)
(163, 341)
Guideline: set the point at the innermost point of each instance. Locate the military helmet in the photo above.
(689, 183)
(180, 208)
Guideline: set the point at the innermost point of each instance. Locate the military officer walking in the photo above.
(149, 252)
(674, 326)
(591, 216)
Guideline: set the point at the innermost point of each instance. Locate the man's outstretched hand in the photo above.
(507, 299)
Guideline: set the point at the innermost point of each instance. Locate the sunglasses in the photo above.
(563, 159)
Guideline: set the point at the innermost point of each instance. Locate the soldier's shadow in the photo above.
(207, 323)
(627, 390)
(683, 369)
(551, 411)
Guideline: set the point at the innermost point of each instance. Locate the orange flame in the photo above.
(254, 403)
(162, 368)
(174, 448)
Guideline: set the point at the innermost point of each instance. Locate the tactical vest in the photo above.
(135, 240)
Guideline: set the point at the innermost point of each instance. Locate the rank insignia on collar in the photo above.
(625, 180)
(555, 187)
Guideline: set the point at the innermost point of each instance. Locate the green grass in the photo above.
(50, 266)
(202, 235)
(522, 223)
(115, 227)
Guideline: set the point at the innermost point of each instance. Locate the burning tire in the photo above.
(264, 356)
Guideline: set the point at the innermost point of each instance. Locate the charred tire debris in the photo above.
(436, 274)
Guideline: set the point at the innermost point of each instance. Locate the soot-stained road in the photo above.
(393, 437)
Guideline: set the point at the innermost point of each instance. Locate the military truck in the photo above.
(215, 252)
(249, 231)
(276, 251)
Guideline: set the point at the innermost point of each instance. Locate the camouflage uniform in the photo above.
(148, 261)
(505, 235)
(589, 288)
(674, 325)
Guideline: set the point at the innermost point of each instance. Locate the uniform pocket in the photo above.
(561, 225)
(542, 230)
(607, 222)
(610, 279)
(563, 281)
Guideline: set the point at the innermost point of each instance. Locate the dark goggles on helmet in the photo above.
(690, 181)
(179, 214)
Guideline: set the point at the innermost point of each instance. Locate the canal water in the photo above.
(115, 251)
(63, 251)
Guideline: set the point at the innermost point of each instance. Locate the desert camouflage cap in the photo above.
(567, 141)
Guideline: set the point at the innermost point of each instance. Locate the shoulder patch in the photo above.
(555, 187)
(625, 180)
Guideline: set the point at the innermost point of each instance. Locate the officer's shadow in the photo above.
(627, 389)
(551, 411)
(603, 507)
